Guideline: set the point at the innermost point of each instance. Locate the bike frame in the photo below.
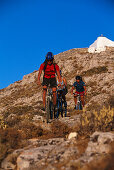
(79, 102)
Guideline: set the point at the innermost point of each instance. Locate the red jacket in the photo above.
(50, 70)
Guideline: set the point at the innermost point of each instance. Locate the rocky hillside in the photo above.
(28, 142)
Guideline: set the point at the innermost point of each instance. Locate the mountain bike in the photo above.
(79, 102)
(60, 103)
(49, 104)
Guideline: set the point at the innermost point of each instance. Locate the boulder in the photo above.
(99, 143)
(72, 135)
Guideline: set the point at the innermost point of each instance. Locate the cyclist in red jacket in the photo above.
(49, 68)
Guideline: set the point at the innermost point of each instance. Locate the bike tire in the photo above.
(48, 110)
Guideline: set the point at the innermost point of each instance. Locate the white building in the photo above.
(100, 45)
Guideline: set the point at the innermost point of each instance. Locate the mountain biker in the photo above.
(49, 68)
(62, 88)
(79, 85)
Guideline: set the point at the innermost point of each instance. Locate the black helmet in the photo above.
(78, 78)
(49, 56)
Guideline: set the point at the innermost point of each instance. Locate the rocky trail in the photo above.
(62, 147)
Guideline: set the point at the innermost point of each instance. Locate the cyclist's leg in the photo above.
(44, 95)
(75, 99)
(65, 103)
(45, 84)
(64, 99)
(53, 85)
(82, 99)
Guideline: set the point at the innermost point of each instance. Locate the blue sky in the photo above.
(31, 28)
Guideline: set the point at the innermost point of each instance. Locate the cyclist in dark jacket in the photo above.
(49, 68)
(80, 88)
(62, 88)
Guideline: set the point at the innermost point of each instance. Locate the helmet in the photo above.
(49, 56)
(78, 78)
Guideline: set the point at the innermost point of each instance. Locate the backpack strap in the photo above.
(55, 67)
(45, 65)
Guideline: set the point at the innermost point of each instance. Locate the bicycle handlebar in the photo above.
(78, 94)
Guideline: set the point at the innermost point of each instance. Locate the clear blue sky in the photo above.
(31, 28)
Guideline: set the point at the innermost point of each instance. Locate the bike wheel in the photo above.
(48, 110)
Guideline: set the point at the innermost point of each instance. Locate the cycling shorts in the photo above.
(49, 81)
(81, 93)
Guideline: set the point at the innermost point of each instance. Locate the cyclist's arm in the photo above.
(39, 75)
(65, 82)
(85, 90)
(59, 76)
(72, 89)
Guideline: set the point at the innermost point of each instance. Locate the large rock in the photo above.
(99, 143)
(47, 153)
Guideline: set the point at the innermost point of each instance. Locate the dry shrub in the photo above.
(9, 139)
(93, 105)
(30, 130)
(102, 120)
(13, 121)
(3, 124)
(3, 151)
(59, 129)
(111, 101)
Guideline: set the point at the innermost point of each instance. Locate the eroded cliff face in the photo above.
(28, 142)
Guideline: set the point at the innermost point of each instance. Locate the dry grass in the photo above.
(97, 121)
